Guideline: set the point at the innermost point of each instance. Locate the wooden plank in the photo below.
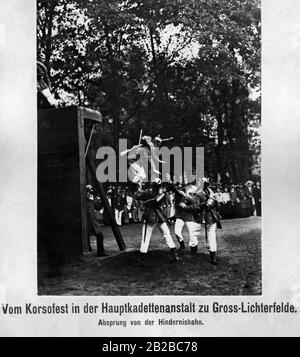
(86, 113)
(100, 189)
(82, 171)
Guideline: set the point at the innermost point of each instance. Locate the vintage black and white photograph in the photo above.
(149, 147)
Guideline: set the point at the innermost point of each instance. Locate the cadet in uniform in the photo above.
(94, 204)
(205, 212)
(184, 214)
(153, 200)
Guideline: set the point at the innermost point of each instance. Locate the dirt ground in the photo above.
(128, 273)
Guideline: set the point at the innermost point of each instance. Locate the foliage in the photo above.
(182, 68)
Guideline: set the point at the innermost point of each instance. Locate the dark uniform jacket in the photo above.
(94, 217)
(202, 213)
(233, 196)
(186, 214)
(153, 206)
(257, 194)
(249, 192)
(120, 202)
(241, 193)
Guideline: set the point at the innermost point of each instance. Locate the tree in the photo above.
(179, 67)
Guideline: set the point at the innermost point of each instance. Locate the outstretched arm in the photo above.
(129, 150)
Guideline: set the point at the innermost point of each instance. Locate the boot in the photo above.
(100, 246)
(175, 258)
(194, 250)
(213, 258)
(181, 243)
(182, 246)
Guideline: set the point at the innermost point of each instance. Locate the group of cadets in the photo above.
(194, 208)
(198, 208)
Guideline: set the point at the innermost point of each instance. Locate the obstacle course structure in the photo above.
(63, 163)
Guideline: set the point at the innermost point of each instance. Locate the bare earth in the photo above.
(128, 273)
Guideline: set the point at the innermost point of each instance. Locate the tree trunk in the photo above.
(115, 93)
(49, 26)
(220, 145)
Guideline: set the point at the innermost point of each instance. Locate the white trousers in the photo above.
(118, 217)
(192, 227)
(211, 236)
(194, 230)
(147, 233)
(179, 224)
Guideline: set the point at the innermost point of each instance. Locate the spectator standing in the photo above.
(128, 207)
(249, 197)
(257, 198)
(120, 203)
(218, 195)
(109, 198)
(94, 204)
(242, 209)
(226, 207)
(225, 195)
(135, 216)
(233, 195)
(140, 210)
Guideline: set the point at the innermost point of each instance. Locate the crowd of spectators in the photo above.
(238, 200)
(235, 201)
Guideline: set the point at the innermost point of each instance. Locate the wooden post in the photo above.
(100, 189)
